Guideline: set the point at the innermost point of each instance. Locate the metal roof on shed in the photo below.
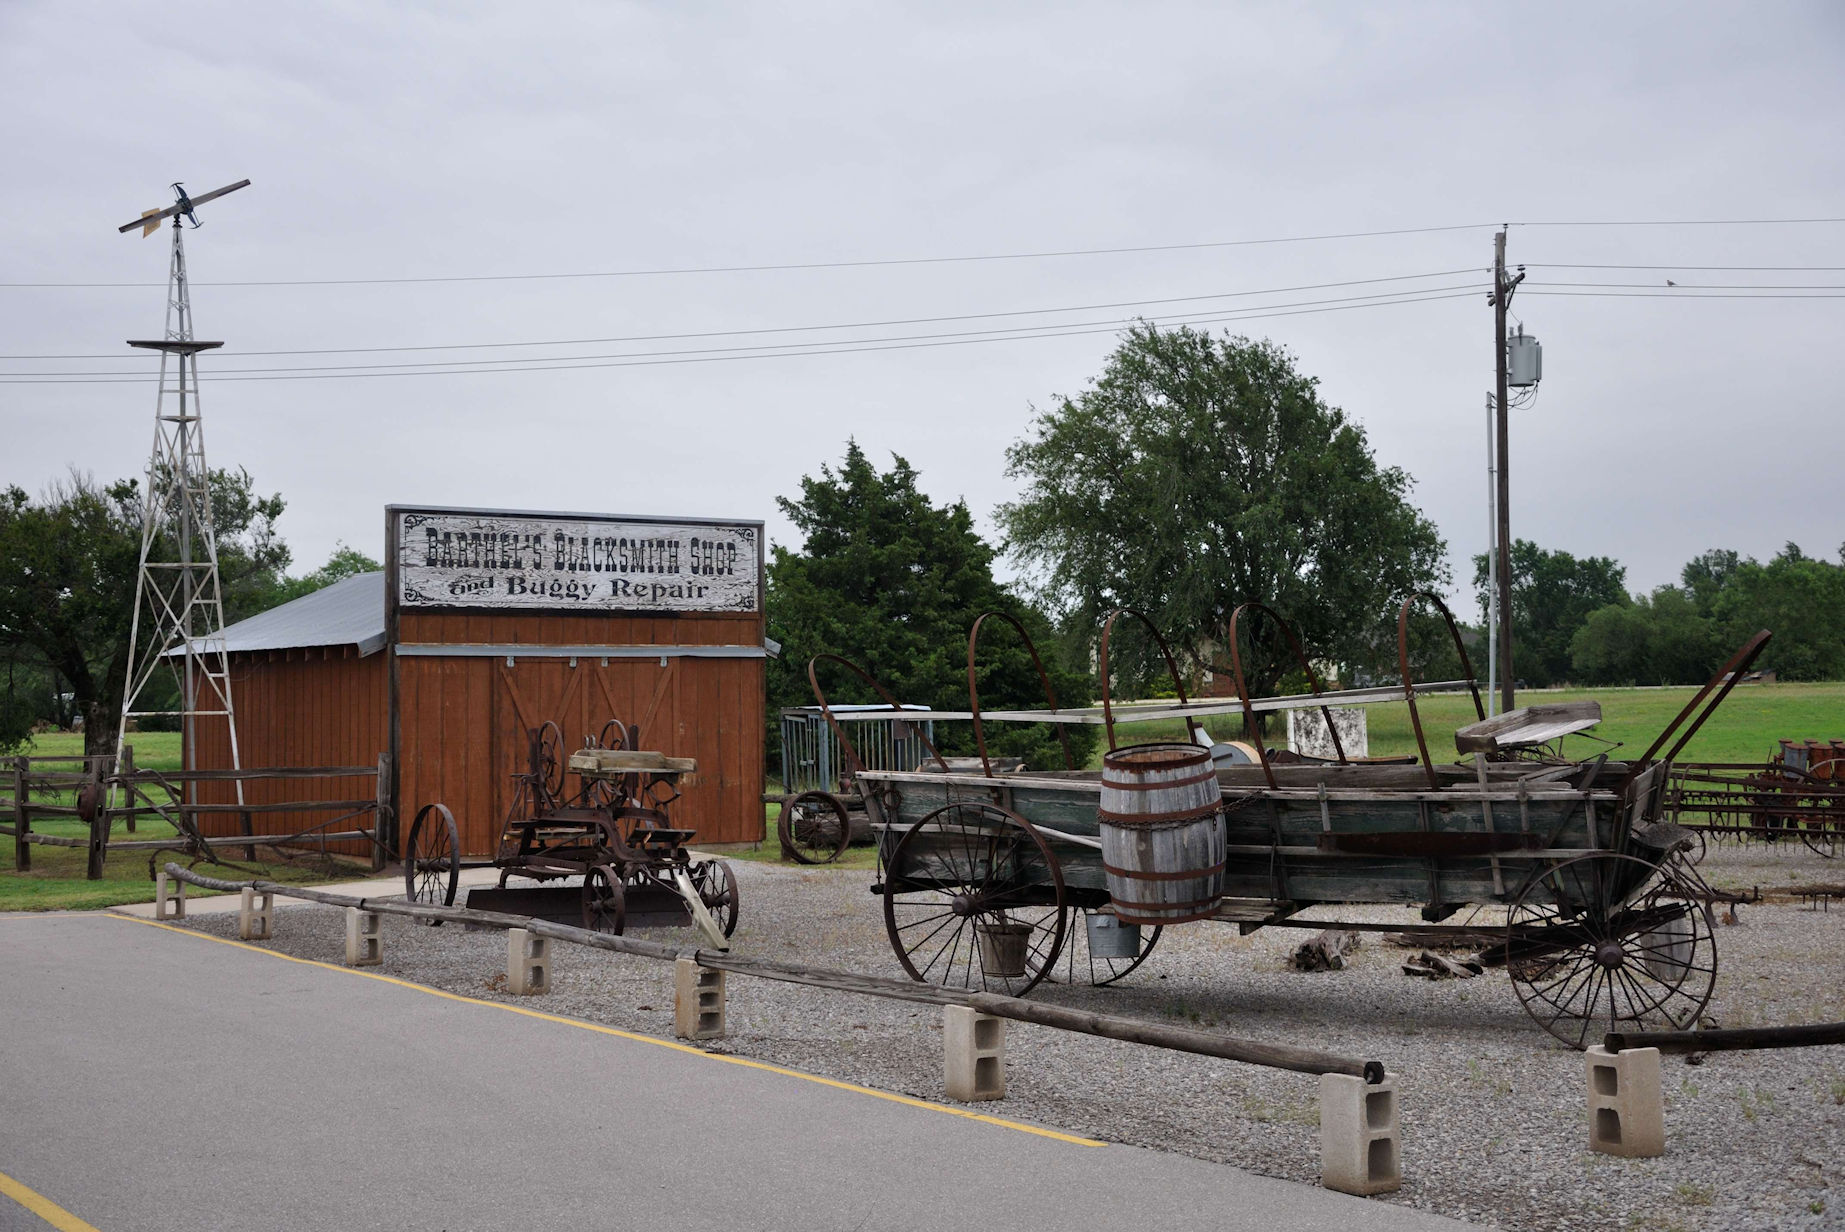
(348, 613)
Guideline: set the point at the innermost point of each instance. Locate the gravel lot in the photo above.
(1494, 1121)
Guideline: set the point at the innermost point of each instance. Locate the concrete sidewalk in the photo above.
(171, 1081)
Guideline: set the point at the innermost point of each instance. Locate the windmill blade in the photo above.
(215, 193)
(150, 221)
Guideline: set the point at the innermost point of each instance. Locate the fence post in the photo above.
(90, 798)
(22, 819)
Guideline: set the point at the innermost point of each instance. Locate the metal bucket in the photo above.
(1003, 947)
(1162, 832)
(1110, 938)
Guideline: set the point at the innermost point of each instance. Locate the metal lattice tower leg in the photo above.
(179, 605)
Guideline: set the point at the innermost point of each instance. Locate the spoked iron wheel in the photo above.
(1610, 943)
(1083, 964)
(974, 898)
(604, 902)
(432, 858)
(717, 889)
(814, 827)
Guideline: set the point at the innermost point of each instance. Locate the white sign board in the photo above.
(559, 563)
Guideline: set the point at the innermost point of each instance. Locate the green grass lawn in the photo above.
(57, 881)
(1745, 728)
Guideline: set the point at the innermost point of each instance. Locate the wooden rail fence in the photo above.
(1108, 1026)
(94, 789)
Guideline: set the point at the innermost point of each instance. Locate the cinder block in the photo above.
(1360, 1143)
(364, 938)
(256, 918)
(973, 1054)
(1627, 1108)
(698, 1001)
(528, 963)
(169, 898)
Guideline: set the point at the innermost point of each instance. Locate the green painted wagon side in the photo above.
(1294, 843)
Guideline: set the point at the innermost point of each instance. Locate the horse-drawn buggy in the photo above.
(999, 878)
(610, 830)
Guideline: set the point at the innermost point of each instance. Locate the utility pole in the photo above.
(1492, 568)
(1500, 299)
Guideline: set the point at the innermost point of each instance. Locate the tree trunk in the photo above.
(100, 720)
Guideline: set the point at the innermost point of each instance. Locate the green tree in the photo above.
(893, 582)
(345, 562)
(1801, 599)
(67, 583)
(1552, 596)
(1198, 472)
(1658, 639)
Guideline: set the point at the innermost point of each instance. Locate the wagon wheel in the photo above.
(432, 858)
(974, 898)
(814, 828)
(1607, 942)
(548, 764)
(717, 889)
(1696, 849)
(1100, 971)
(605, 908)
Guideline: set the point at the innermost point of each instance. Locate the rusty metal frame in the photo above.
(973, 690)
(1250, 727)
(1409, 686)
(1172, 669)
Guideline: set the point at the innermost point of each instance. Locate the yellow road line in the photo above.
(42, 1206)
(630, 1035)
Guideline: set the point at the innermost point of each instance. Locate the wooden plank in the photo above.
(1527, 726)
(626, 761)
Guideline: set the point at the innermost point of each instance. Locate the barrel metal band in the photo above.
(1150, 820)
(1147, 875)
(1108, 784)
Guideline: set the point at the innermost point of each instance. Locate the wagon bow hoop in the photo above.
(853, 763)
(1242, 686)
(1172, 670)
(973, 689)
(1409, 684)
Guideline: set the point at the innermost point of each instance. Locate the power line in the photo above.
(787, 329)
(667, 271)
(1706, 286)
(1764, 269)
(818, 348)
(790, 347)
(1672, 293)
(784, 266)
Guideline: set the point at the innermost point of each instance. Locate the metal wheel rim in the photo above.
(550, 765)
(432, 858)
(605, 908)
(802, 833)
(716, 884)
(1657, 984)
(977, 842)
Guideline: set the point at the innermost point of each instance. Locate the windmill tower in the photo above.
(178, 623)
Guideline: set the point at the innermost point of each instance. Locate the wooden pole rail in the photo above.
(1729, 1040)
(1084, 1022)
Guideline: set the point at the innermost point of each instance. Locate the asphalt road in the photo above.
(153, 1079)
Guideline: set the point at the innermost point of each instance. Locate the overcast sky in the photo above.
(451, 141)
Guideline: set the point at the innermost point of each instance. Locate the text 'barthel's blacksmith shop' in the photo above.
(510, 560)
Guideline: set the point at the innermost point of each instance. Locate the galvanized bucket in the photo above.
(1110, 938)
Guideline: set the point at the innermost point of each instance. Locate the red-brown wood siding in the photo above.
(462, 729)
(322, 706)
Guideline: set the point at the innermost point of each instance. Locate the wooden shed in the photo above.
(486, 624)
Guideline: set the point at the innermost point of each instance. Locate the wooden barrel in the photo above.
(1162, 833)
